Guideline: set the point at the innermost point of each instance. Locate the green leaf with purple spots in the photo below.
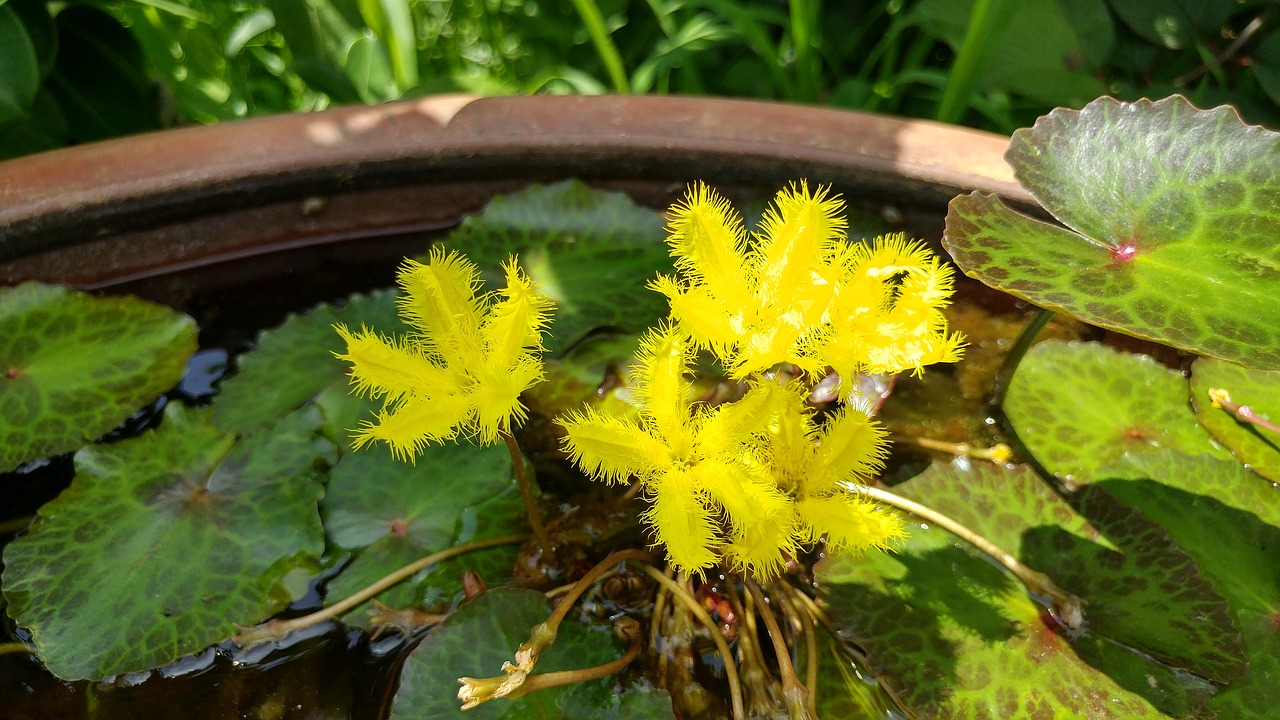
(390, 513)
(1078, 406)
(1171, 215)
(165, 543)
(484, 633)
(73, 366)
(953, 637)
(1257, 447)
(1142, 590)
(1229, 519)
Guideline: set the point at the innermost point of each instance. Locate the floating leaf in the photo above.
(1257, 447)
(590, 250)
(954, 637)
(1229, 519)
(1172, 217)
(164, 543)
(1079, 406)
(479, 636)
(294, 363)
(393, 513)
(73, 366)
(1142, 591)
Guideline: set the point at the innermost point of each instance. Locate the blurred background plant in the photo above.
(74, 71)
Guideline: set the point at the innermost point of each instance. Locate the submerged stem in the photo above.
(794, 694)
(277, 629)
(696, 609)
(10, 648)
(1067, 608)
(526, 492)
(1013, 358)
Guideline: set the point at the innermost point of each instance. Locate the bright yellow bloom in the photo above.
(463, 367)
(800, 293)
(749, 480)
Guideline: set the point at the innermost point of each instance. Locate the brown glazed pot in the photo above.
(258, 195)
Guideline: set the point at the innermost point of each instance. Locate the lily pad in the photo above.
(1142, 590)
(1078, 406)
(953, 637)
(482, 634)
(1172, 223)
(293, 364)
(164, 543)
(392, 513)
(1229, 519)
(1257, 447)
(591, 251)
(72, 366)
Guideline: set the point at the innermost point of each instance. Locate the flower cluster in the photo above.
(754, 479)
(463, 366)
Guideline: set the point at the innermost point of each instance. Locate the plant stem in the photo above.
(988, 20)
(600, 37)
(802, 44)
(809, 629)
(1245, 414)
(16, 647)
(1067, 608)
(730, 669)
(998, 453)
(794, 694)
(568, 677)
(526, 491)
(1026, 338)
(14, 525)
(276, 629)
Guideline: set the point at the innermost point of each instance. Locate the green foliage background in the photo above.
(87, 70)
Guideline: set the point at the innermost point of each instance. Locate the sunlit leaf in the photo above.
(1229, 519)
(1173, 218)
(1142, 590)
(953, 637)
(293, 364)
(591, 251)
(164, 543)
(482, 634)
(1255, 446)
(391, 513)
(73, 366)
(1079, 406)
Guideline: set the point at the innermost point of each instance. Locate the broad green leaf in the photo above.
(1142, 591)
(1257, 447)
(1172, 216)
(164, 543)
(591, 251)
(392, 513)
(1079, 406)
(482, 634)
(1173, 23)
(391, 22)
(73, 366)
(953, 637)
(1229, 519)
(366, 66)
(19, 66)
(293, 364)
(100, 77)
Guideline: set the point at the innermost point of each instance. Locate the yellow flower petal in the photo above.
(384, 368)
(682, 523)
(851, 446)
(416, 423)
(706, 237)
(611, 448)
(850, 523)
(514, 324)
(797, 235)
(661, 386)
(439, 301)
(496, 395)
(762, 548)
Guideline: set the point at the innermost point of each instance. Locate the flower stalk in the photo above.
(1222, 399)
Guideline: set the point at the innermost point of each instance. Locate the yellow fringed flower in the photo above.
(800, 294)
(462, 369)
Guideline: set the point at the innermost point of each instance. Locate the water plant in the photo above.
(754, 451)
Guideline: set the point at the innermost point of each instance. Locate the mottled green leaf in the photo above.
(592, 251)
(953, 637)
(1257, 447)
(482, 634)
(292, 364)
(164, 543)
(1229, 519)
(73, 366)
(1142, 591)
(1173, 218)
(392, 513)
(1078, 406)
